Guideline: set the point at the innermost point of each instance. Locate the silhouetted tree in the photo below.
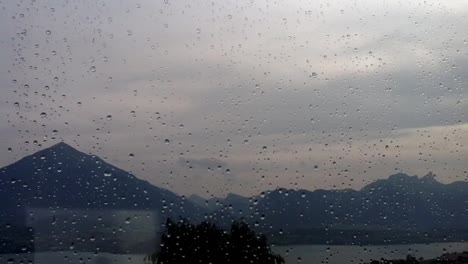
(186, 243)
(409, 260)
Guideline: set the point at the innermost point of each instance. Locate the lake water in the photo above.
(292, 254)
(357, 254)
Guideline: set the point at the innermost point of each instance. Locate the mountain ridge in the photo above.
(61, 178)
(64, 176)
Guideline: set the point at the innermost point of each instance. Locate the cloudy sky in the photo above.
(212, 97)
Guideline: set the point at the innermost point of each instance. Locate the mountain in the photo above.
(402, 206)
(62, 193)
(61, 188)
(62, 177)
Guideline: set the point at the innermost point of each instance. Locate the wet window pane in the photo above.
(233, 132)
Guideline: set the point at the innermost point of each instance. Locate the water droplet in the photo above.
(48, 32)
(92, 69)
(109, 117)
(128, 220)
(107, 173)
(131, 155)
(16, 104)
(167, 141)
(43, 114)
(314, 75)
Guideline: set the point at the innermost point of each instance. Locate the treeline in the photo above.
(184, 242)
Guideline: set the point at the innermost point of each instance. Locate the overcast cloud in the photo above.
(217, 97)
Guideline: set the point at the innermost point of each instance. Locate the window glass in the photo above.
(251, 131)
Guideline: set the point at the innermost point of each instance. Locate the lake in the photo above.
(292, 254)
(357, 254)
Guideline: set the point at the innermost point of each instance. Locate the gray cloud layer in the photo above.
(324, 94)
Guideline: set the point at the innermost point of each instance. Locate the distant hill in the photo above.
(399, 209)
(404, 208)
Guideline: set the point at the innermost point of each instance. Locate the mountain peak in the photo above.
(429, 178)
(60, 150)
(61, 143)
(401, 177)
(429, 175)
(61, 147)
